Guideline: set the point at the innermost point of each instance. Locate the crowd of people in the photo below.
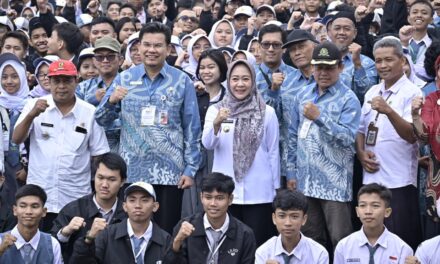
(220, 131)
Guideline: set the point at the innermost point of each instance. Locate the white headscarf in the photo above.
(249, 56)
(18, 100)
(214, 28)
(192, 62)
(38, 90)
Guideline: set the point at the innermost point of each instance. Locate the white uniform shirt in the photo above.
(419, 66)
(429, 251)
(353, 249)
(397, 158)
(263, 177)
(56, 248)
(147, 236)
(60, 151)
(307, 251)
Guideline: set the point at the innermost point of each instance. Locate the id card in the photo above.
(371, 135)
(305, 128)
(147, 115)
(163, 117)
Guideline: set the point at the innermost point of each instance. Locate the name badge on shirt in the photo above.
(147, 115)
(353, 260)
(135, 83)
(371, 134)
(81, 130)
(46, 124)
(305, 128)
(226, 125)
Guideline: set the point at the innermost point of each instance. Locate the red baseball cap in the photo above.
(62, 67)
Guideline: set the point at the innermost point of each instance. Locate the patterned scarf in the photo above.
(249, 123)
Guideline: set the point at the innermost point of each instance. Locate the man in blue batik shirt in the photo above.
(359, 72)
(321, 150)
(160, 125)
(107, 58)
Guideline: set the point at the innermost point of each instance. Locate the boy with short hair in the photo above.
(290, 246)
(30, 245)
(213, 236)
(134, 240)
(373, 243)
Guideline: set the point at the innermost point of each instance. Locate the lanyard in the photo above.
(215, 250)
(266, 77)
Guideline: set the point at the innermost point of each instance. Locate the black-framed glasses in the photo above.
(108, 57)
(42, 76)
(275, 45)
(193, 19)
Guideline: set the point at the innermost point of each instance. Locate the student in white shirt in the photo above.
(373, 240)
(25, 243)
(243, 132)
(427, 253)
(290, 246)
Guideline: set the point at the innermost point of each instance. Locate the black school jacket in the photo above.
(238, 247)
(113, 245)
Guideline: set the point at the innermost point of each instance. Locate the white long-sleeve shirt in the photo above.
(263, 178)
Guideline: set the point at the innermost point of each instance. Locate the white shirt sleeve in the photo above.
(62, 238)
(56, 248)
(209, 140)
(98, 141)
(272, 141)
(26, 109)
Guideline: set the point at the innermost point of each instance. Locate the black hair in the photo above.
(127, 5)
(423, 2)
(31, 190)
(147, 2)
(271, 29)
(156, 27)
(290, 200)
(218, 182)
(383, 192)
(110, 3)
(70, 34)
(114, 162)
(431, 54)
(103, 20)
(120, 24)
(17, 35)
(217, 56)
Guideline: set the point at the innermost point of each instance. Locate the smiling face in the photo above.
(216, 204)
(388, 64)
(271, 55)
(154, 49)
(39, 40)
(88, 69)
(342, 32)
(10, 80)
(255, 49)
(240, 82)
(135, 55)
(420, 16)
(209, 71)
(43, 80)
(29, 210)
(201, 45)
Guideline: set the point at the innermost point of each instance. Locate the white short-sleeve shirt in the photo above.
(397, 158)
(429, 251)
(61, 148)
(353, 249)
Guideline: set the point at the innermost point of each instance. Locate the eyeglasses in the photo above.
(109, 57)
(42, 76)
(275, 45)
(186, 18)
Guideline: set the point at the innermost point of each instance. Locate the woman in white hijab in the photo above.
(244, 55)
(14, 91)
(222, 34)
(196, 46)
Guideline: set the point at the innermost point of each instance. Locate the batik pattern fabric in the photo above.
(159, 153)
(321, 162)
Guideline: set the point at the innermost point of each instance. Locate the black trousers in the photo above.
(46, 223)
(405, 217)
(258, 217)
(170, 206)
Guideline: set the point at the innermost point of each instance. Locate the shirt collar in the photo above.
(102, 211)
(426, 39)
(224, 227)
(297, 251)
(21, 242)
(331, 89)
(163, 72)
(396, 86)
(147, 235)
(382, 240)
(266, 69)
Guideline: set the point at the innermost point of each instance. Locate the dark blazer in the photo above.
(83, 207)
(238, 247)
(113, 245)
